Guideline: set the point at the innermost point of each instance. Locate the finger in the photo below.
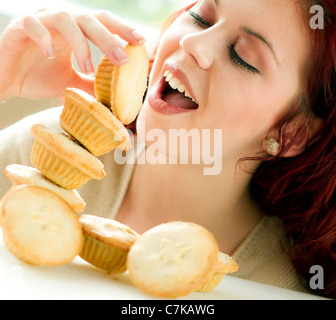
(36, 31)
(116, 26)
(65, 24)
(96, 32)
(41, 10)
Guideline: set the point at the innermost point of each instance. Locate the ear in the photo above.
(299, 138)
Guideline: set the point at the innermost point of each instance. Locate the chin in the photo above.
(154, 130)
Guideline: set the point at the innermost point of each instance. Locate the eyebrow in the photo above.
(260, 37)
(252, 33)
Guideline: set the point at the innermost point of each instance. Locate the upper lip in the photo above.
(181, 76)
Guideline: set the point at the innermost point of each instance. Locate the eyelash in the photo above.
(235, 58)
(199, 21)
(240, 62)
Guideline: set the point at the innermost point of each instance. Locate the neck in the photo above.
(166, 192)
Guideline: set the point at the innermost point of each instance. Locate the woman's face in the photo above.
(240, 60)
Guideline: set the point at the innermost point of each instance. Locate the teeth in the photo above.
(169, 77)
(176, 84)
(181, 88)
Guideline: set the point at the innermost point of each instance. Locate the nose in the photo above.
(201, 47)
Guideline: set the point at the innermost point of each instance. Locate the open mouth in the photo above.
(175, 93)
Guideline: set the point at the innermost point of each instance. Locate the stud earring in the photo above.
(272, 147)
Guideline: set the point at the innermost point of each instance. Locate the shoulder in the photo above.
(16, 141)
(263, 257)
(17, 137)
(48, 117)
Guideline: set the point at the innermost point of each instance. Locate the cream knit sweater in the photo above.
(260, 256)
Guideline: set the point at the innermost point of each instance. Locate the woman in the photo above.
(257, 72)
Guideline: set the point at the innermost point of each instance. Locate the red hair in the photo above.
(301, 190)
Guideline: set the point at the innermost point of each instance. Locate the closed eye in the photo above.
(199, 21)
(235, 58)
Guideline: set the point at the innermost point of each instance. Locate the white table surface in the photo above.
(81, 281)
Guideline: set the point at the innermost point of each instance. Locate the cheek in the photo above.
(245, 113)
(167, 46)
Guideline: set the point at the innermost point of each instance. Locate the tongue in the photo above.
(179, 100)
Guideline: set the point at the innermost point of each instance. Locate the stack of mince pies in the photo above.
(42, 216)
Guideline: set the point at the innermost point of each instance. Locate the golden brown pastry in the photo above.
(107, 243)
(92, 124)
(225, 265)
(39, 227)
(122, 87)
(62, 160)
(20, 174)
(172, 259)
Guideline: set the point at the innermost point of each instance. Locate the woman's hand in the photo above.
(36, 51)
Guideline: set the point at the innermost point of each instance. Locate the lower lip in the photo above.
(161, 106)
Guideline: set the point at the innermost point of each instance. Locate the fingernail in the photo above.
(120, 55)
(89, 69)
(138, 37)
(51, 52)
